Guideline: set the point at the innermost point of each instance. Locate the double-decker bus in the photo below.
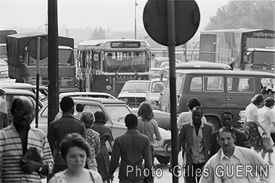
(22, 61)
(105, 65)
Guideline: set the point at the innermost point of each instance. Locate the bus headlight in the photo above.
(109, 87)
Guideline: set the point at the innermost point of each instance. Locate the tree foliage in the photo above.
(248, 14)
(98, 33)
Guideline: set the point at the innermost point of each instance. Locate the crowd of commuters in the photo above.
(75, 149)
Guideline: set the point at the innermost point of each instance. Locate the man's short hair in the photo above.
(131, 121)
(228, 112)
(66, 104)
(193, 102)
(79, 107)
(227, 129)
(2, 92)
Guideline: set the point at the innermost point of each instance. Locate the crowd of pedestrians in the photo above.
(75, 149)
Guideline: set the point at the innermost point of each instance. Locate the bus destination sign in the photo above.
(125, 44)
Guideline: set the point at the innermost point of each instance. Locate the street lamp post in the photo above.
(136, 19)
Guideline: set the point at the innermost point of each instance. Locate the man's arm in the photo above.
(214, 143)
(115, 157)
(147, 154)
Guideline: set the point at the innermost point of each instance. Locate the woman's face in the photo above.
(76, 158)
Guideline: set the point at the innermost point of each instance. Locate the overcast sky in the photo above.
(119, 15)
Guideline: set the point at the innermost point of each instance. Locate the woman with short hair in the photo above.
(75, 150)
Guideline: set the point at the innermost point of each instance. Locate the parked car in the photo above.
(217, 91)
(134, 92)
(87, 94)
(115, 112)
(43, 90)
(10, 94)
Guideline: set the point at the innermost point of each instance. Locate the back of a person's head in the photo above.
(193, 102)
(257, 99)
(145, 110)
(79, 107)
(2, 92)
(88, 118)
(269, 101)
(66, 104)
(131, 121)
(100, 117)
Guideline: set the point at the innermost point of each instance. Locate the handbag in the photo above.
(267, 144)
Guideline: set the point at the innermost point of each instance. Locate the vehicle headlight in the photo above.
(109, 87)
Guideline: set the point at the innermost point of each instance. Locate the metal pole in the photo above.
(173, 109)
(53, 66)
(37, 80)
(135, 20)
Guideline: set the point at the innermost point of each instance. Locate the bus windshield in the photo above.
(126, 61)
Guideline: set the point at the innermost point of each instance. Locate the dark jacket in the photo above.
(241, 140)
(185, 140)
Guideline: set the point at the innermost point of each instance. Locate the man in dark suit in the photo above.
(241, 139)
(194, 140)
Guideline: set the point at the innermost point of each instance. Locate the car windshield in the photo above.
(136, 87)
(117, 113)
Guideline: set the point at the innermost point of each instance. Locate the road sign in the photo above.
(43, 47)
(187, 19)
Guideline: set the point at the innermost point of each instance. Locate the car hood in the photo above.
(134, 95)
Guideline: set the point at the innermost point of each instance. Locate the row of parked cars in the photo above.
(115, 111)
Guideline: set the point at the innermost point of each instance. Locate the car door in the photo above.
(239, 92)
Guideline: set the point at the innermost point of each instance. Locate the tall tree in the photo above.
(248, 14)
(98, 33)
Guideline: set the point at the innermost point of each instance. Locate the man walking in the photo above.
(61, 127)
(194, 140)
(241, 140)
(17, 140)
(234, 163)
(132, 148)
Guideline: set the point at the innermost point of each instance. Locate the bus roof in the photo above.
(91, 44)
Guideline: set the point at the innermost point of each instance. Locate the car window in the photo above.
(237, 84)
(180, 79)
(196, 84)
(117, 113)
(157, 86)
(136, 87)
(213, 84)
(92, 108)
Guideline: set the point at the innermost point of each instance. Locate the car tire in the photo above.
(163, 159)
(213, 121)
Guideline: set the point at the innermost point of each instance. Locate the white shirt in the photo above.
(246, 164)
(251, 113)
(266, 118)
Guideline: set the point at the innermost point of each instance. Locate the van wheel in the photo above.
(213, 121)
(163, 159)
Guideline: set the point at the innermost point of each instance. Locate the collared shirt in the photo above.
(244, 166)
(11, 153)
(197, 145)
(186, 117)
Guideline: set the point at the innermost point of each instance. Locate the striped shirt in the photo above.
(11, 153)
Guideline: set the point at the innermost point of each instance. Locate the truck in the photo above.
(243, 49)
(24, 61)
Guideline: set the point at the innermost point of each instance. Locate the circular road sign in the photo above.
(43, 47)
(187, 20)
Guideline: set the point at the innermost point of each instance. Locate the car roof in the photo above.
(9, 91)
(97, 100)
(20, 86)
(96, 94)
(202, 65)
(138, 81)
(225, 72)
